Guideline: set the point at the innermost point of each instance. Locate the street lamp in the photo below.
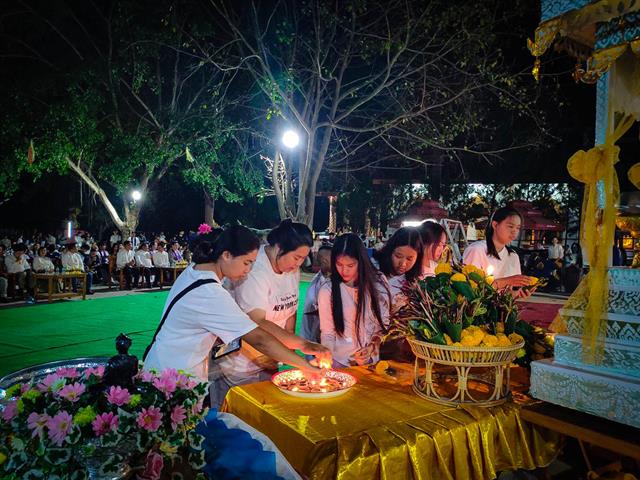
(136, 195)
(290, 139)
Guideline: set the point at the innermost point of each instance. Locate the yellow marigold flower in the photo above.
(500, 327)
(473, 284)
(533, 281)
(503, 340)
(443, 268)
(472, 340)
(458, 277)
(382, 367)
(515, 338)
(448, 339)
(490, 340)
(470, 268)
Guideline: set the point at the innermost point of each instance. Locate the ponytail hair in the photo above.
(350, 245)
(403, 237)
(237, 240)
(290, 236)
(498, 216)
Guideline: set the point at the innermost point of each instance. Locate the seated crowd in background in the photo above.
(103, 262)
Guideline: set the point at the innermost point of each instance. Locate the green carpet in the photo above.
(58, 331)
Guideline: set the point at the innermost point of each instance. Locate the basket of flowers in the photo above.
(68, 420)
(464, 333)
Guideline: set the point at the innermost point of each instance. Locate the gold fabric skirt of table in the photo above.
(381, 429)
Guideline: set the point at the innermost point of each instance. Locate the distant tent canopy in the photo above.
(418, 212)
(533, 219)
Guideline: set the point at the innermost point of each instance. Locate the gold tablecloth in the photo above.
(381, 429)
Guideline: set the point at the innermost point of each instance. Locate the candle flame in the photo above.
(490, 270)
(325, 363)
(323, 390)
(294, 389)
(323, 382)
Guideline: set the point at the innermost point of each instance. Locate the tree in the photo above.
(134, 104)
(379, 84)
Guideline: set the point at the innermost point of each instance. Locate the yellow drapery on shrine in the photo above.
(634, 175)
(595, 168)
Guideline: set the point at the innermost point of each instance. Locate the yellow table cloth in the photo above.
(381, 429)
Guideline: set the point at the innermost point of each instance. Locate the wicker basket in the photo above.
(462, 375)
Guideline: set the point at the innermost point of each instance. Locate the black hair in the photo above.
(19, 247)
(237, 240)
(324, 248)
(349, 244)
(498, 216)
(403, 237)
(431, 233)
(290, 236)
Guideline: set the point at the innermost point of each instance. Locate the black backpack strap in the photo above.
(195, 284)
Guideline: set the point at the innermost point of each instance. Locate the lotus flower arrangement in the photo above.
(50, 428)
(459, 306)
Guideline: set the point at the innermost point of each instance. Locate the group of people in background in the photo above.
(238, 287)
(102, 262)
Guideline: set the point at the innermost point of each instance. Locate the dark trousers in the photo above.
(75, 282)
(146, 273)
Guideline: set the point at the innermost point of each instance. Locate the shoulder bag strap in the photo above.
(195, 284)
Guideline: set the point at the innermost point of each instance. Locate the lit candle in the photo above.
(490, 274)
(323, 390)
(294, 389)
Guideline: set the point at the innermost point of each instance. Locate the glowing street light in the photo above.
(136, 195)
(290, 139)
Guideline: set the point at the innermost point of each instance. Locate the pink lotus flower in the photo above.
(166, 382)
(59, 427)
(51, 383)
(146, 376)
(178, 414)
(204, 228)
(118, 396)
(153, 466)
(72, 392)
(10, 411)
(37, 422)
(105, 423)
(97, 371)
(150, 418)
(67, 372)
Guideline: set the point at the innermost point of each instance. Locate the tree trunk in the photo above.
(209, 204)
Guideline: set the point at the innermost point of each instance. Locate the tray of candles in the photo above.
(332, 383)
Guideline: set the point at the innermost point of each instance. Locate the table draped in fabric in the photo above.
(381, 429)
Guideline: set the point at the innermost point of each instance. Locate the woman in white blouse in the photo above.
(494, 256)
(354, 306)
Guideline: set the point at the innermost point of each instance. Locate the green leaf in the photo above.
(112, 464)
(57, 456)
(454, 330)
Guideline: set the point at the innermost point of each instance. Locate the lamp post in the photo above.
(136, 196)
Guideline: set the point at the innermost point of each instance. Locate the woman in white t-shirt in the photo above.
(354, 306)
(269, 296)
(400, 260)
(502, 229)
(434, 241)
(208, 312)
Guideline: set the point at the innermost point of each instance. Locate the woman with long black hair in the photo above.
(354, 306)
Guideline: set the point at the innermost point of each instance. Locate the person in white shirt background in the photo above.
(72, 260)
(115, 238)
(503, 228)
(556, 251)
(400, 260)
(42, 263)
(18, 264)
(434, 241)
(145, 264)
(269, 295)
(354, 306)
(310, 327)
(125, 261)
(161, 262)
